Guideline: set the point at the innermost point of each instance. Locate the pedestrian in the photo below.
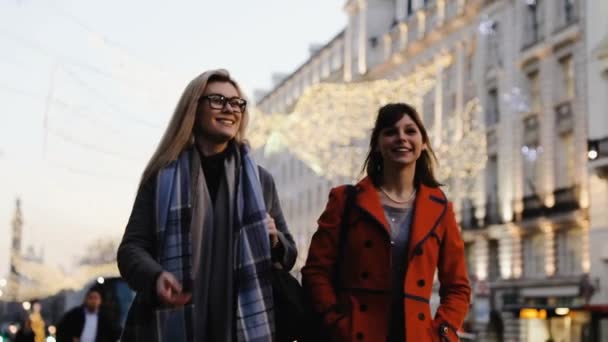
(205, 227)
(25, 333)
(37, 321)
(400, 229)
(87, 323)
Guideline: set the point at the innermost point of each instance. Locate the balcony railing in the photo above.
(565, 199)
(533, 207)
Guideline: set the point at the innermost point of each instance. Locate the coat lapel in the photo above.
(429, 208)
(368, 200)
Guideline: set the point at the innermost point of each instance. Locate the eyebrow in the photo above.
(228, 97)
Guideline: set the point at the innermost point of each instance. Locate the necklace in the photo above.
(398, 202)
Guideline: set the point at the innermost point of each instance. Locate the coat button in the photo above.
(368, 243)
(421, 316)
(363, 307)
(418, 251)
(421, 283)
(364, 275)
(443, 330)
(360, 336)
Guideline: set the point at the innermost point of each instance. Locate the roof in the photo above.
(312, 57)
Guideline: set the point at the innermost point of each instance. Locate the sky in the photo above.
(87, 88)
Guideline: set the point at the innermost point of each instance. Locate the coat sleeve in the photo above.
(318, 272)
(137, 250)
(454, 290)
(285, 253)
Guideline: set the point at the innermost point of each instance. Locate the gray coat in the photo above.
(137, 254)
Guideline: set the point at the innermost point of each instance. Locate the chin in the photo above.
(223, 137)
(402, 163)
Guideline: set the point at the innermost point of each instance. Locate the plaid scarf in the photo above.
(252, 266)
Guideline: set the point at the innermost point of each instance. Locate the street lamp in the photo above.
(27, 305)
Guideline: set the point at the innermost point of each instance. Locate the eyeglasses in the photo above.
(217, 101)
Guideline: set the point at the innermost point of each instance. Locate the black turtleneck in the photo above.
(213, 169)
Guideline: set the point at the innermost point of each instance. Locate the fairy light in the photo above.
(487, 26)
(329, 125)
(517, 100)
(463, 156)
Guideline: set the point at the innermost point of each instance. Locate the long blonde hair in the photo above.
(180, 132)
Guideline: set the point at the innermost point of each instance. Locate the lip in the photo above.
(226, 121)
(402, 149)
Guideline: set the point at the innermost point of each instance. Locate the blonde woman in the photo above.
(205, 228)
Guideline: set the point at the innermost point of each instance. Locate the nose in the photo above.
(402, 136)
(227, 107)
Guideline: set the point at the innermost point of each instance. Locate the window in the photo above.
(530, 153)
(467, 216)
(569, 252)
(493, 41)
(566, 66)
(565, 160)
(493, 262)
(492, 188)
(534, 256)
(566, 12)
(469, 254)
(534, 90)
(533, 22)
(492, 113)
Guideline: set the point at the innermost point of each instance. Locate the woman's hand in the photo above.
(272, 231)
(169, 290)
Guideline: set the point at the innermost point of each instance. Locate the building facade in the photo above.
(532, 209)
(597, 90)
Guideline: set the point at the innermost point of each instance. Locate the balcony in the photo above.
(566, 199)
(533, 207)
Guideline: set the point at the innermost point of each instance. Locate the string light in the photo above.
(463, 156)
(330, 124)
(487, 26)
(517, 100)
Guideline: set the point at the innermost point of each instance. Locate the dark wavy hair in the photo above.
(388, 115)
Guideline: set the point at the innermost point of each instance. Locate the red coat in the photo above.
(360, 312)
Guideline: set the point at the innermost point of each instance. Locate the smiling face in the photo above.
(216, 126)
(401, 144)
